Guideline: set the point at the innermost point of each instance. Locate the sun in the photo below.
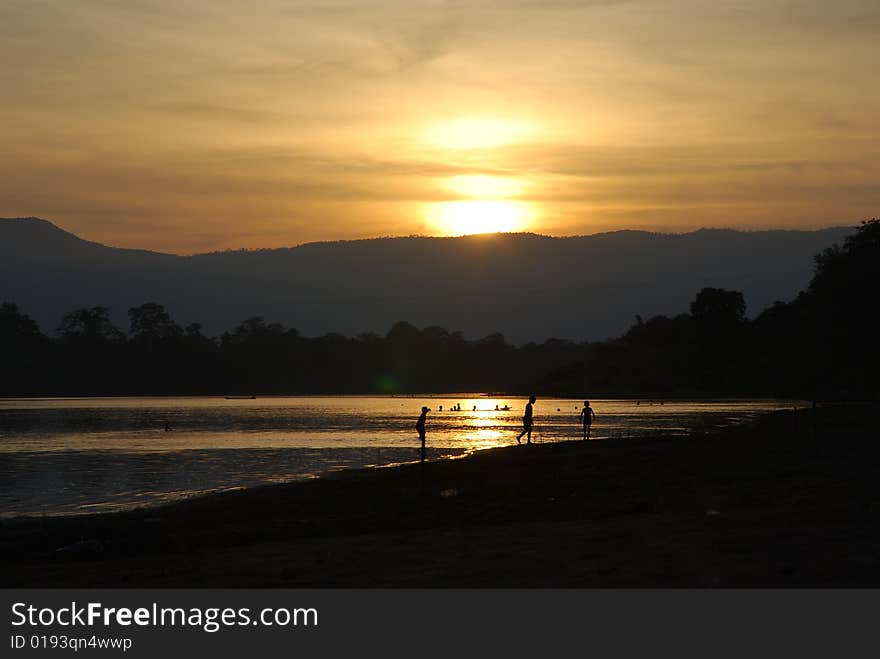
(480, 203)
(460, 218)
(487, 206)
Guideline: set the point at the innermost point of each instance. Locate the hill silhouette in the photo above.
(821, 344)
(531, 287)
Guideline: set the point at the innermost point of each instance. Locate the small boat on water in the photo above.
(251, 397)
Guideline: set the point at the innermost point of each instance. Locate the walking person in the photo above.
(420, 428)
(587, 415)
(528, 421)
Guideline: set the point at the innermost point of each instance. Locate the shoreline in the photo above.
(754, 505)
(444, 394)
(117, 457)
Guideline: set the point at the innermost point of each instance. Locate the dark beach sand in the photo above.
(758, 505)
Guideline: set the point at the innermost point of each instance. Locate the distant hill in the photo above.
(528, 287)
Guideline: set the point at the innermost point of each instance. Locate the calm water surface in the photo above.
(83, 455)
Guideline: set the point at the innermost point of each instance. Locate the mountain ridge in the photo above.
(33, 220)
(528, 286)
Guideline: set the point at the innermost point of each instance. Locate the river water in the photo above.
(78, 455)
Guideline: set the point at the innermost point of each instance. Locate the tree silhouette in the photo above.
(842, 314)
(91, 353)
(717, 307)
(16, 326)
(23, 351)
(90, 324)
(850, 270)
(151, 323)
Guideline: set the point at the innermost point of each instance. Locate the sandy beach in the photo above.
(783, 502)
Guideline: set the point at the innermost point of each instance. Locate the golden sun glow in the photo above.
(486, 205)
(458, 218)
(485, 187)
(477, 133)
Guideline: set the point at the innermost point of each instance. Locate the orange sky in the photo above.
(210, 124)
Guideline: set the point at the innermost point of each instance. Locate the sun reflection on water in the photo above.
(75, 454)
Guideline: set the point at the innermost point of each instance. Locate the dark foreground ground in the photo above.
(772, 504)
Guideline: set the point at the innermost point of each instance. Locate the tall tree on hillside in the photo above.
(92, 358)
(89, 324)
(718, 307)
(844, 319)
(151, 323)
(23, 351)
(16, 326)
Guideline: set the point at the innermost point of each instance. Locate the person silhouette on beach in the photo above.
(420, 428)
(528, 421)
(587, 415)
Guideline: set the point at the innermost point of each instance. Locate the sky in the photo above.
(203, 125)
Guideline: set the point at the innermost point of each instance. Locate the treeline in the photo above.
(821, 345)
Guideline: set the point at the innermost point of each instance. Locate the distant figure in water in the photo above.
(420, 428)
(587, 415)
(475, 408)
(441, 408)
(528, 421)
(496, 408)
